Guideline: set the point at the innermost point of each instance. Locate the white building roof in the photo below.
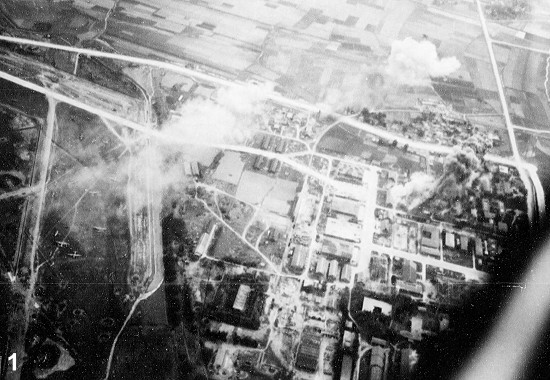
(242, 296)
(351, 191)
(322, 266)
(400, 237)
(205, 91)
(416, 326)
(300, 256)
(450, 239)
(343, 230)
(370, 303)
(333, 269)
(349, 337)
(345, 206)
(203, 244)
(230, 168)
(345, 274)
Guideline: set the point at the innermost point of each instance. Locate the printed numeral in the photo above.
(13, 358)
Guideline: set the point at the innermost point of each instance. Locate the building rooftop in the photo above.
(300, 256)
(230, 168)
(405, 367)
(345, 274)
(333, 269)
(343, 230)
(202, 245)
(336, 248)
(346, 206)
(347, 364)
(413, 289)
(349, 337)
(430, 236)
(450, 239)
(308, 352)
(409, 271)
(400, 237)
(378, 363)
(242, 296)
(322, 266)
(205, 91)
(351, 191)
(370, 304)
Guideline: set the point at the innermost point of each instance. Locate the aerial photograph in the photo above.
(274, 189)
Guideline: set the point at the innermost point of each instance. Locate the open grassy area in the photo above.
(137, 343)
(254, 231)
(272, 244)
(84, 236)
(229, 247)
(236, 214)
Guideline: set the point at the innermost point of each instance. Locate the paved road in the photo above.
(524, 174)
(41, 173)
(523, 47)
(500, 87)
(19, 193)
(69, 85)
(436, 148)
(277, 98)
(273, 96)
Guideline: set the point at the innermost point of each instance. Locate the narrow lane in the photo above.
(20, 193)
(524, 174)
(500, 87)
(436, 148)
(42, 184)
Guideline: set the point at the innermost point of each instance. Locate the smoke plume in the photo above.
(461, 167)
(412, 193)
(228, 119)
(461, 163)
(412, 62)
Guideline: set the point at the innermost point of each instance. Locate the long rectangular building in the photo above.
(299, 258)
(345, 206)
(274, 165)
(259, 162)
(281, 147)
(345, 274)
(242, 296)
(336, 249)
(429, 241)
(266, 142)
(321, 267)
(333, 270)
(308, 352)
(343, 230)
(347, 366)
(201, 247)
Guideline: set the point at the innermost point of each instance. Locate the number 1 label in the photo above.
(13, 358)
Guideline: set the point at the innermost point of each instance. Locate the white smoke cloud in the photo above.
(461, 168)
(229, 119)
(414, 192)
(461, 163)
(413, 62)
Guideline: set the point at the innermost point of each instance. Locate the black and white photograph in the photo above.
(274, 189)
